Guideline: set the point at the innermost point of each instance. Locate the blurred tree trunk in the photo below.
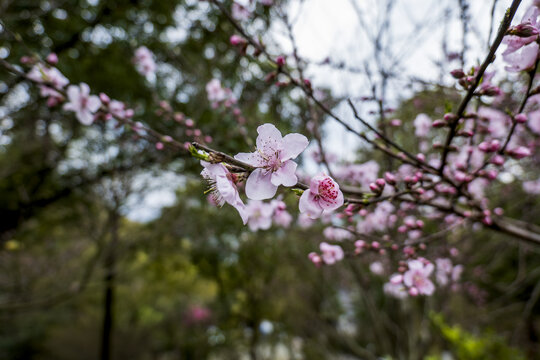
(109, 280)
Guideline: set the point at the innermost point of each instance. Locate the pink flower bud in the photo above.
(280, 61)
(519, 152)
(421, 157)
(380, 182)
(402, 229)
(26, 60)
(129, 113)
(373, 187)
(457, 73)
(449, 117)
(438, 123)
(413, 291)
(487, 220)
(491, 174)
(105, 99)
(495, 145)
(390, 178)
(497, 160)
(190, 123)
(521, 118)
(178, 117)
(159, 145)
(363, 212)
(396, 279)
(395, 122)
(167, 138)
(360, 244)
(375, 244)
(236, 40)
(483, 146)
(394, 247)
(52, 59)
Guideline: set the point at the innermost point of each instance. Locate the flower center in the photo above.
(273, 163)
(327, 190)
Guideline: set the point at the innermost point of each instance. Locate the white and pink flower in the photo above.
(144, 61)
(82, 103)
(323, 195)
(272, 161)
(331, 253)
(417, 278)
(260, 215)
(223, 187)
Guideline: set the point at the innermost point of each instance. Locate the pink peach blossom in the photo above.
(82, 103)
(223, 187)
(272, 161)
(323, 195)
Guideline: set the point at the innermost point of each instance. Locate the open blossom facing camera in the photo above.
(260, 215)
(323, 195)
(82, 103)
(273, 162)
(417, 278)
(223, 187)
(331, 254)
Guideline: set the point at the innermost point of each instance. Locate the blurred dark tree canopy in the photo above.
(80, 280)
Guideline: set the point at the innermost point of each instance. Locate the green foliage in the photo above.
(467, 346)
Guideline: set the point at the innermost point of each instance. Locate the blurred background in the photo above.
(108, 246)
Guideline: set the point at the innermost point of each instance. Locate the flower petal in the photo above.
(253, 159)
(93, 103)
(269, 140)
(293, 145)
(285, 175)
(259, 185)
(309, 205)
(85, 117)
(334, 204)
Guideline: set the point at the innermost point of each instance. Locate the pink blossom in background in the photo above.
(144, 61)
(117, 109)
(443, 270)
(281, 216)
(82, 103)
(534, 121)
(532, 187)
(422, 125)
(260, 215)
(361, 174)
(323, 195)
(272, 161)
(498, 121)
(240, 12)
(304, 221)
(396, 290)
(379, 219)
(51, 75)
(337, 234)
(417, 277)
(331, 253)
(215, 92)
(376, 267)
(223, 187)
(198, 314)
